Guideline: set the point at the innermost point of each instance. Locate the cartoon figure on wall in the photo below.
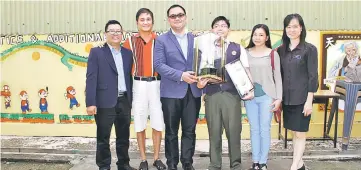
(24, 102)
(7, 102)
(70, 94)
(350, 56)
(7, 94)
(43, 104)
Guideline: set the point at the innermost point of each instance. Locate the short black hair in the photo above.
(220, 18)
(112, 22)
(175, 6)
(146, 11)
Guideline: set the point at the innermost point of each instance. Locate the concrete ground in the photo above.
(34, 166)
(78, 153)
(200, 164)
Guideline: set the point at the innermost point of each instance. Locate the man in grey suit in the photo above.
(180, 97)
(109, 96)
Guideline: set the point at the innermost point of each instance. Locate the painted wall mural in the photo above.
(31, 65)
(43, 76)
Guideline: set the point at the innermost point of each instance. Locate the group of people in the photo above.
(153, 76)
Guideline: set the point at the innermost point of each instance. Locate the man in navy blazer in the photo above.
(180, 97)
(109, 95)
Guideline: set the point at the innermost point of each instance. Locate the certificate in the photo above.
(239, 77)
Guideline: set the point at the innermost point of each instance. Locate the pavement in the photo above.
(79, 152)
(201, 163)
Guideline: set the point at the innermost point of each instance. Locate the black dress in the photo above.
(299, 69)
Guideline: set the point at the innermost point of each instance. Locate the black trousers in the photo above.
(186, 111)
(105, 118)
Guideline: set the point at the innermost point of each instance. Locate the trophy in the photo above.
(209, 59)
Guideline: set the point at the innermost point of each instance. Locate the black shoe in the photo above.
(255, 166)
(263, 166)
(302, 168)
(172, 167)
(104, 168)
(143, 165)
(188, 166)
(126, 167)
(159, 165)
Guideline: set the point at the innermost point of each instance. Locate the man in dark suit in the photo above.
(180, 97)
(109, 95)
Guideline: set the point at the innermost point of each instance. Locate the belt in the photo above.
(153, 78)
(122, 93)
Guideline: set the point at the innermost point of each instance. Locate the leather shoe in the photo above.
(159, 165)
(126, 167)
(188, 166)
(172, 167)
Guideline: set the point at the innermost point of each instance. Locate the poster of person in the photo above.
(341, 59)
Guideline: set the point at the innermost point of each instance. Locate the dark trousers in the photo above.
(186, 111)
(105, 118)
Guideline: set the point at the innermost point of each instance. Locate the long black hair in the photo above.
(285, 39)
(265, 28)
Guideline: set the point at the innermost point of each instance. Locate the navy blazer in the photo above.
(102, 77)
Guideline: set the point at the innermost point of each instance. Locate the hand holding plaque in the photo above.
(240, 79)
(210, 57)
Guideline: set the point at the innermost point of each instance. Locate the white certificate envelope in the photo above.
(239, 77)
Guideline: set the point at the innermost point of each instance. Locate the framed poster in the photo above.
(338, 49)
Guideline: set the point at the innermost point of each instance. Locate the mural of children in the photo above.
(6, 93)
(70, 94)
(350, 58)
(43, 103)
(24, 102)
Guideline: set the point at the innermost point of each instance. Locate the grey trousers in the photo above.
(223, 110)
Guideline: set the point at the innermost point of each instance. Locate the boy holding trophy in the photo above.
(222, 100)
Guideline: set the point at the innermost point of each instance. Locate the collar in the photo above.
(113, 50)
(180, 35)
(300, 46)
(226, 41)
(154, 35)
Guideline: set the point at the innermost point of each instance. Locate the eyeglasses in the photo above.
(112, 32)
(222, 26)
(173, 16)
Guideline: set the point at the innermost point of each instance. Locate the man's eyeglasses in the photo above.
(173, 16)
(112, 32)
(222, 26)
